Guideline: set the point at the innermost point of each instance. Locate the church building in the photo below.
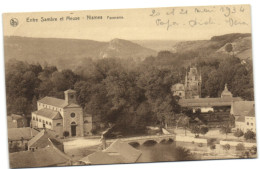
(62, 116)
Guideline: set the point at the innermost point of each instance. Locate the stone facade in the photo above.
(61, 115)
(193, 84)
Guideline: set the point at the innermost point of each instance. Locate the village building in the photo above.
(18, 138)
(178, 90)
(16, 121)
(44, 139)
(62, 115)
(45, 157)
(240, 110)
(213, 110)
(118, 152)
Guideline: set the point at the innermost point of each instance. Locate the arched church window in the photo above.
(73, 123)
(85, 121)
(72, 115)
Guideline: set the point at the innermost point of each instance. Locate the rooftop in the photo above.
(117, 152)
(16, 116)
(51, 114)
(17, 133)
(43, 139)
(251, 112)
(49, 156)
(241, 108)
(53, 101)
(208, 101)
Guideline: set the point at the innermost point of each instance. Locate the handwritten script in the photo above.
(199, 16)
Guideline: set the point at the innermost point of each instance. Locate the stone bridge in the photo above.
(146, 139)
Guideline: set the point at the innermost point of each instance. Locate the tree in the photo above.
(229, 47)
(204, 130)
(240, 147)
(183, 121)
(239, 133)
(225, 129)
(249, 135)
(196, 130)
(182, 154)
(226, 147)
(253, 150)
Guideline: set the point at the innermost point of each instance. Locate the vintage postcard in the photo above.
(129, 86)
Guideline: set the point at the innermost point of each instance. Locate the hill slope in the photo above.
(69, 53)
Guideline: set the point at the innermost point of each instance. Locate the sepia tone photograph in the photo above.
(129, 86)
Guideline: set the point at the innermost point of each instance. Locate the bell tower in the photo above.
(70, 96)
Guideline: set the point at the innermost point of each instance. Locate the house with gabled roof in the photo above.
(45, 157)
(18, 138)
(240, 110)
(43, 139)
(62, 115)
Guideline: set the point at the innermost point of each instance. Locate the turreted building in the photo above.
(191, 88)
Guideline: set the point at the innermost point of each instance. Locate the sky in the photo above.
(188, 23)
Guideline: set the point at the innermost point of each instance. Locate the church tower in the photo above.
(70, 96)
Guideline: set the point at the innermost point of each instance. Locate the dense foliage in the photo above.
(120, 91)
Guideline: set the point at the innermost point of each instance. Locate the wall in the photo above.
(250, 123)
(87, 125)
(235, 143)
(191, 139)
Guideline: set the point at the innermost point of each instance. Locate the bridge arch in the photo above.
(150, 142)
(134, 144)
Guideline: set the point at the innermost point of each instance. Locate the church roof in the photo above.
(53, 101)
(17, 133)
(49, 156)
(201, 102)
(51, 114)
(73, 105)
